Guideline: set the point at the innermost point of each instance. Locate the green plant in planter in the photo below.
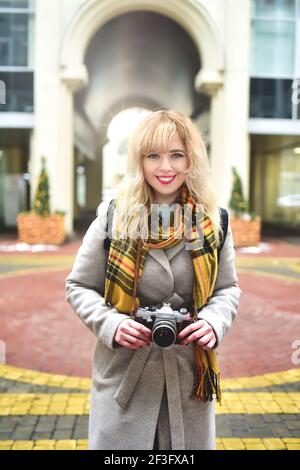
(41, 201)
(39, 226)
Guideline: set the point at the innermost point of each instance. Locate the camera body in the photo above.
(165, 323)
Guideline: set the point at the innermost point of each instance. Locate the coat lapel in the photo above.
(173, 250)
(163, 257)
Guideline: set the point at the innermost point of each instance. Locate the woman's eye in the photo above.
(177, 155)
(152, 155)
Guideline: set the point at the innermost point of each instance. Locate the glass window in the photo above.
(273, 48)
(14, 39)
(274, 8)
(19, 91)
(13, 3)
(271, 98)
(282, 191)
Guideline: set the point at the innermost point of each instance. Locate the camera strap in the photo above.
(136, 276)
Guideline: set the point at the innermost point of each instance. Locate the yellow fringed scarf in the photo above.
(119, 281)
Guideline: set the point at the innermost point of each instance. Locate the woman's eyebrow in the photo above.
(170, 151)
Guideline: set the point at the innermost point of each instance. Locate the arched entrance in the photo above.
(89, 19)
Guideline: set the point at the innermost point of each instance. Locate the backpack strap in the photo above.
(110, 214)
(224, 227)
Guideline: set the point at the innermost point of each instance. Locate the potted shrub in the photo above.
(39, 226)
(246, 225)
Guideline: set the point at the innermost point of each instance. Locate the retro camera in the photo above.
(165, 323)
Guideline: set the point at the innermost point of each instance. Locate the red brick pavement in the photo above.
(39, 328)
(42, 332)
(260, 340)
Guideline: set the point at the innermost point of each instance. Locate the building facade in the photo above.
(70, 68)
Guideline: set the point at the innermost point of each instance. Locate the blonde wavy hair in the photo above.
(153, 133)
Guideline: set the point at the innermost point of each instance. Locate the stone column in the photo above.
(54, 114)
(230, 104)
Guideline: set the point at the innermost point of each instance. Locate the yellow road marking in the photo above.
(281, 277)
(20, 404)
(267, 261)
(265, 380)
(43, 378)
(36, 259)
(221, 443)
(65, 381)
(24, 272)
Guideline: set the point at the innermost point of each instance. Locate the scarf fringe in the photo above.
(207, 385)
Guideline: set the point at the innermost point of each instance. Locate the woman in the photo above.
(144, 396)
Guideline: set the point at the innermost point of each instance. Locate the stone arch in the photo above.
(190, 15)
(132, 101)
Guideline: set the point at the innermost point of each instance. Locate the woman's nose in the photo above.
(165, 164)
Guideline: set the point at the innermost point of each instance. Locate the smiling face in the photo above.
(164, 170)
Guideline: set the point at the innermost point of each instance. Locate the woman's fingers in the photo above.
(210, 345)
(204, 340)
(134, 341)
(200, 325)
(132, 335)
(131, 330)
(201, 332)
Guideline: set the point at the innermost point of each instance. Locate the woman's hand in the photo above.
(201, 332)
(133, 335)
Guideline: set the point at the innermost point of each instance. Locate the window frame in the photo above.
(30, 18)
(296, 21)
(296, 72)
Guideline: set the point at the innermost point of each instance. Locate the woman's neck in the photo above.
(165, 199)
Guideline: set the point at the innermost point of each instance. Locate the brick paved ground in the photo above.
(49, 408)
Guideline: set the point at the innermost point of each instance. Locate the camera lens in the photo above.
(164, 333)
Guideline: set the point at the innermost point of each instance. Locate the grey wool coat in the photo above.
(133, 393)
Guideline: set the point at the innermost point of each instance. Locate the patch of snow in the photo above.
(261, 248)
(22, 247)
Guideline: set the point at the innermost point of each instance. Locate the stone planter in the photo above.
(246, 232)
(35, 229)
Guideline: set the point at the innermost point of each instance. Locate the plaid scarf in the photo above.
(121, 268)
